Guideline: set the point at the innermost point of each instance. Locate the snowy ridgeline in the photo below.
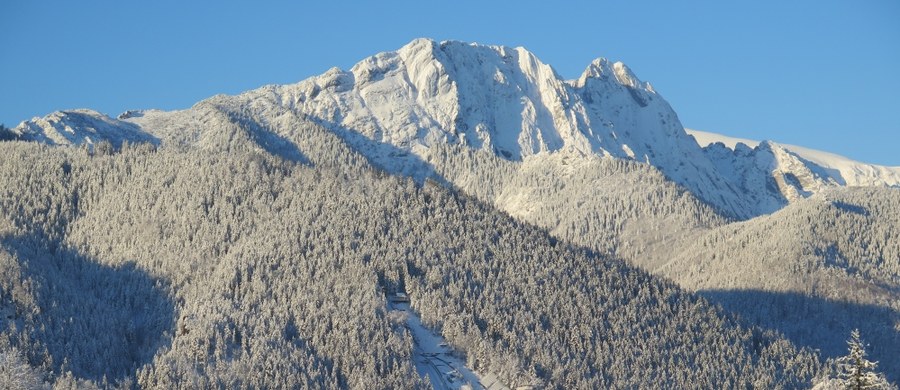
(248, 194)
(395, 107)
(838, 168)
(243, 269)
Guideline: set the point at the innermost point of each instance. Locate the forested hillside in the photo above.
(564, 233)
(197, 268)
(623, 208)
(814, 270)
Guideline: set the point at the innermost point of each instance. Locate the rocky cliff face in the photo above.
(505, 101)
(395, 106)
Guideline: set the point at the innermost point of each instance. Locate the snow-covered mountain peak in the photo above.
(625, 77)
(607, 71)
(82, 126)
(778, 174)
(505, 101)
(501, 99)
(767, 145)
(600, 68)
(488, 97)
(841, 169)
(395, 106)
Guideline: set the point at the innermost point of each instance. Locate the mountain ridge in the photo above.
(495, 98)
(395, 106)
(601, 162)
(844, 170)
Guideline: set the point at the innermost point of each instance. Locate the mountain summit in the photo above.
(394, 107)
(506, 101)
(555, 190)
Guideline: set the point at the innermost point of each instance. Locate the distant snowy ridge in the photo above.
(705, 138)
(77, 127)
(830, 168)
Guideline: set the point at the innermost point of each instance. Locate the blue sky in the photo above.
(822, 74)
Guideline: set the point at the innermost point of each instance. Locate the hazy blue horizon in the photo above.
(817, 74)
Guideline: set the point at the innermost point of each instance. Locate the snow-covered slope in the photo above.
(505, 101)
(77, 127)
(582, 158)
(791, 172)
(705, 138)
(396, 107)
(815, 270)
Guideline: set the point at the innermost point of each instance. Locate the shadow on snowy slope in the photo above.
(818, 323)
(270, 141)
(384, 155)
(92, 319)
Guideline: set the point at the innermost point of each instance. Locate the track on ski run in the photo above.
(434, 358)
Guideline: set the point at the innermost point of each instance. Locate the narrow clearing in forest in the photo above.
(434, 358)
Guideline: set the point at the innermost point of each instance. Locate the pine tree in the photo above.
(855, 371)
(15, 373)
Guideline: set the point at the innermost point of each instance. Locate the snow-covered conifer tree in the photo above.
(855, 371)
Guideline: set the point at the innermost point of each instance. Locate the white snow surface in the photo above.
(435, 359)
(506, 101)
(394, 106)
(838, 169)
(77, 127)
(705, 138)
